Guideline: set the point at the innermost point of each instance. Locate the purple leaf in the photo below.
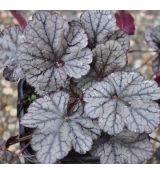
(157, 79)
(125, 22)
(19, 17)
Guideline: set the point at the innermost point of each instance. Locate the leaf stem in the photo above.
(19, 17)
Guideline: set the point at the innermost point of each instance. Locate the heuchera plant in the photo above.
(88, 101)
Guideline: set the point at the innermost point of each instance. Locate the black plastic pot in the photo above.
(28, 153)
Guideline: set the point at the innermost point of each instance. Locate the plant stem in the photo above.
(143, 51)
(154, 139)
(17, 155)
(145, 63)
(22, 139)
(19, 17)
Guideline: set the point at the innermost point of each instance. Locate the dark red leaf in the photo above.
(19, 17)
(157, 79)
(125, 22)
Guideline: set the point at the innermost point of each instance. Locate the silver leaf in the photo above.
(59, 128)
(124, 99)
(10, 40)
(53, 52)
(121, 37)
(121, 149)
(109, 57)
(152, 37)
(156, 65)
(97, 24)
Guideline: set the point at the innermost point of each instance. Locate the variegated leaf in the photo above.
(121, 37)
(52, 51)
(124, 99)
(108, 57)
(97, 24)
(10, 39)
(77, 37)
(77, 62)
(121, 149)
(152, 37)
(156, 65)
(13, 72)
(52, 145)
(59, 127)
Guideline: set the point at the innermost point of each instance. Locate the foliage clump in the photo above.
(78, 68)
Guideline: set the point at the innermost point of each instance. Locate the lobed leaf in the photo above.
(108, 57)
(53, 51)
(97, 24)
(10, 39)
(152, 37)
(124, 99)
(121, 37)
(122, 149)
(57, 129)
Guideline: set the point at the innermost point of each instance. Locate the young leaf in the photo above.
(121, 37)
(125, 22)
(108, 57)
(79, 86)
(52, 51)
(10, 39)
(124, 99)
(57, 129)
(97, 24)
(126, 147)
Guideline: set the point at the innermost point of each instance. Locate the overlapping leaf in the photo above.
(57, 129)
(52, 51)
(121, 37)
(108, 57)
(126, 147)
(124, 99)
(79, 86)
(97, 25)
(125, 22)
(10, 39)
(152, 36)
(13, 72)
(156, 65)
